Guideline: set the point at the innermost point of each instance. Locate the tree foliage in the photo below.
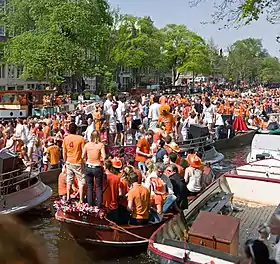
(57, 37)
(270, 70)
(183, 50)
(243, 11)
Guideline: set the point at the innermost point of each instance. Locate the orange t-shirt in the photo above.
(168, 120)
(55, 124)
(47, 131)
(73, 146)
(54, 154)
(140, 196)
(93, 152)
(144, 146)
(111, 191)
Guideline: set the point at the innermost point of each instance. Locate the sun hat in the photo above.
(116, 163)
(194, 161)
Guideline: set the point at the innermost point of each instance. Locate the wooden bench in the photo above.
(221, 203)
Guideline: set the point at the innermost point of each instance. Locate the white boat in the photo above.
(22, 190)
(247, 201)
(264, 146)
(267, 168)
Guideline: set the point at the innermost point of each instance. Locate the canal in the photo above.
(63, 250)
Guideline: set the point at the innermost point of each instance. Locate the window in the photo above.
(11, 71)
(11, 88)
(19, 71)
(2, 31)
(2, 71)
(20, 87)
(2, 88)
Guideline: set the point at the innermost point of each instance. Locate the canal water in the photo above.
(62, 249)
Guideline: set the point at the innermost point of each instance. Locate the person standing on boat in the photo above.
(93, 155)
(193, 175)
(138, 201)
(72, 154)
(143, 151)
(53, 154)
(208, 115)
(154, 112)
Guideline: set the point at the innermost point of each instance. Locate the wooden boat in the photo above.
(103, 236)
(22, 190)
(247, 201)
(241, 139)
(49, 177)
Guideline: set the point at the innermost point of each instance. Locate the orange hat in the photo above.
(174, 146)
(116, 163)
(165, 108)
(194, 161)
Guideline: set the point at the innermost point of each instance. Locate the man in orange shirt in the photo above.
(53, 154)
(143, 150)
(166, 118)
(138, 201)
(46, 130)
(72, 153)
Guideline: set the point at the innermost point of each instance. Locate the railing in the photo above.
(12, 181)
(197, 143)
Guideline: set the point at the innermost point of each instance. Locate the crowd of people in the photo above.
(158, 179)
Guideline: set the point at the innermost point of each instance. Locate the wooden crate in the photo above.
(220, 232)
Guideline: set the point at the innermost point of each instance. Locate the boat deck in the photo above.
(252, 215)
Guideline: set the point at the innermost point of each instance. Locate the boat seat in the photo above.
(220, 204)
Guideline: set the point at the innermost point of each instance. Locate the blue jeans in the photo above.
(169, 200)
(97, 173)
(142, 167)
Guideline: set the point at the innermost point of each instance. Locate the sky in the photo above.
(164, 12)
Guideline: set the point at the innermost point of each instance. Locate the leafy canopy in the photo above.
(53, 37)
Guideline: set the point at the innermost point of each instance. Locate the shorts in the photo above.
(77, 170)
(120, 127)
(135, 124)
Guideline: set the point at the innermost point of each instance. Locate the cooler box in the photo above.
(220, 232)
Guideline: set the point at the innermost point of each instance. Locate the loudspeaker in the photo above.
(198, 131)
(8, 162)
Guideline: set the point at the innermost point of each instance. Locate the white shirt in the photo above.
(22, 132)
(112, 117)
(193, 176)
(120, 112)
(88, 132)
(107, 105)
(154, 111)
(219, 120)
(208, 113)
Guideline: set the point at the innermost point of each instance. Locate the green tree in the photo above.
(243, 11)
(270, 70)
(183, 50)
(245, 59)
(52, 38)
(137, 45)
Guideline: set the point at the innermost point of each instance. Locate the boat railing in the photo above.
(198, 142)
(11, 181)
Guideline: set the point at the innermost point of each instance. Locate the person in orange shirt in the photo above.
(138, 201)
(166, 118)
(55, 124)
(72, 153)
(143, 150)
(97, 117)
(62, 185)
(53, 154)
(111, 192)
(46, 130)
